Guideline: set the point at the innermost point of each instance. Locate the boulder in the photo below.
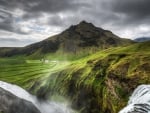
(10, 103)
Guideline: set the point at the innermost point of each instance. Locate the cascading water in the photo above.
(44, 107)
(139, 102)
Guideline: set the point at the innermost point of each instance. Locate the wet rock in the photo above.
(10, 103)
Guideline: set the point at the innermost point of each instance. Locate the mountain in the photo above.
(76, 39)
(142, 39)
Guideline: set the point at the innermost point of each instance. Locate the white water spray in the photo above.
(44, 107)
(139, 102)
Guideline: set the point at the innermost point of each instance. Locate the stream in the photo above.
(139, 101)
(42, 106)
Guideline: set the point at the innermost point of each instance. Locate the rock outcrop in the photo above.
(10, 103)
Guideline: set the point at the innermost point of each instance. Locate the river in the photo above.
(139, 101)
(42, 106)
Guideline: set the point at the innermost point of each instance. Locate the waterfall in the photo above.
(139, 101)
(44, 107)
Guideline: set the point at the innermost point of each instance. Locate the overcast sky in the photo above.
(26, 21)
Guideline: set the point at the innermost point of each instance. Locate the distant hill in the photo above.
(142, 39)
(77, 38)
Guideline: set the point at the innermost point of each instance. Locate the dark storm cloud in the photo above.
(56, 21)
(133, 11)
(51, 6)
(6, 21)
(120, 11)
(33, 9)
(137, 8)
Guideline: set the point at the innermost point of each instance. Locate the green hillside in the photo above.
(95, 83)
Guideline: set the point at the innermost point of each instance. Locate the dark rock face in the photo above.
(9, 103)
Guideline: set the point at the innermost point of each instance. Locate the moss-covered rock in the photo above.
(103, 83)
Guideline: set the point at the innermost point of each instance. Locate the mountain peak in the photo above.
(85, 24)
(82, 24)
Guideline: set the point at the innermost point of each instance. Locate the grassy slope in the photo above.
(101, 82)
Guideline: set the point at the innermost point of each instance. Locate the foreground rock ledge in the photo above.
(10, 103)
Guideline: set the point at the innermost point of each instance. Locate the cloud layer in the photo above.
(25, 21)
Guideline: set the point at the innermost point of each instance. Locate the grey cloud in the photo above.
(52, 5)
(43, 5)
(13, 42)
(7, 23)
(133, 11)
(118, 15)
(56, 21)
(138, 8)
(34, 9)
(8, 39)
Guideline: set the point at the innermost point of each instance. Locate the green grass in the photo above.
(26, 72)
(105, 78)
